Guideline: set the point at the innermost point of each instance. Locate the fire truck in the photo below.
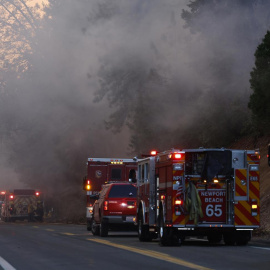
(213, 193)
(104, 170)
(2, 198)
(16, 205)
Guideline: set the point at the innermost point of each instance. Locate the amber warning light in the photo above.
(87, 184)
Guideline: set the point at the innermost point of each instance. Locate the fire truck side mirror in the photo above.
(268, 154)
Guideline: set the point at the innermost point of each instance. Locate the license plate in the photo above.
(130, 219)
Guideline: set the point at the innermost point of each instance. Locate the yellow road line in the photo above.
(49, 230)
(66, 233)
(153, 254)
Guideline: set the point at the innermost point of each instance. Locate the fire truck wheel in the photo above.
(229, 238)
(95, 228)
(104, 228)
(89, 224)
(143, 230)
(165, 235)
(242, 238)
(214, 237)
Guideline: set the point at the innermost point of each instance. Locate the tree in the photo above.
(260, 84)
(225, 27)
(19, 22)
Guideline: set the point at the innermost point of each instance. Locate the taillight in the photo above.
(11, 197)
(178, 207)
(105, 206)
(178, 202)
(254, 208)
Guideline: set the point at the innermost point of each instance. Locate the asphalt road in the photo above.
(27, 246)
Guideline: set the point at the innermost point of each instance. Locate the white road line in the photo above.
(260, 247)
(5, 265)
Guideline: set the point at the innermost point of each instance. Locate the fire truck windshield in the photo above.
(208, 164)
(123, 191)
(116, 174)
(217, 163)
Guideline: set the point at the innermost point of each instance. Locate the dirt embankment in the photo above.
(250, 143)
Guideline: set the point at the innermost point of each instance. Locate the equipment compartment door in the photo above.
(241, 185)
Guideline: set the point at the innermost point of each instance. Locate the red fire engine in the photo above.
(104, 170)
(16, 205)
(211, 193)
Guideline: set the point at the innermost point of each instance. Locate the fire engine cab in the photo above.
(211, 193)
(101, 171)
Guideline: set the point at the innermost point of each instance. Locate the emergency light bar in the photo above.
(116, 162)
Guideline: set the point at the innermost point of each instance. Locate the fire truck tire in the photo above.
(242, 238)
(89, 224)
(104, 228)
(214, 237)
(229, 238)
(165, 234)
(95, 228)
(143, 230)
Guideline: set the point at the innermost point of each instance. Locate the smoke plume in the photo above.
(116, 78)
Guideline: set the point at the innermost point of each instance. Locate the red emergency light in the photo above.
(11, 196)
(3, 192)
(37, 193)
(177, 156)
(153, 153)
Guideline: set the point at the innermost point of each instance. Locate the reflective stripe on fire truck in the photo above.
(253, 158)
(242, 211)
(243, 208)
(241, 183)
